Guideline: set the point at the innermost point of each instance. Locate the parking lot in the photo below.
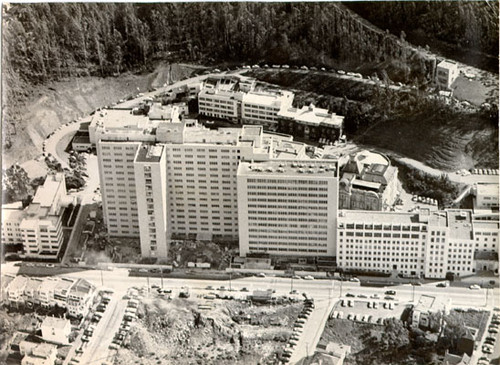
(368, 309)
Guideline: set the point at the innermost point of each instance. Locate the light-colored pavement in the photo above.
(313, 329)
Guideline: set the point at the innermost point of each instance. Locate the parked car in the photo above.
(474, 287)
(261, 275)
(390, 292)
(349, 295)
(308, 277)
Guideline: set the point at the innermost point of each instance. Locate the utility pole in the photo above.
(413, 293)
(147, 278)
(102, 281)
(230, 288)
(341, 279)
(161, 277)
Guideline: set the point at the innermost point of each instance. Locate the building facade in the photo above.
(287, 208)
(425, 244)
(446, 74)
(38, 227)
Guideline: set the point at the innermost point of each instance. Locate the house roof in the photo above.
(54, 322)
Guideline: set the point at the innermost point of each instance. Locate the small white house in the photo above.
(56, 330)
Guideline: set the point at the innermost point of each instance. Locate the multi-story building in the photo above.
(485, 196)
(238, 99)
(61, 291)
(5, 281)
(420, 244)
(178, 179)
(80, 298)
(368, 182)
(263, 107)
(446, 74)
(287, 208)
(310, 122)
(31, 292)
(39, 226)
(15, 290)
(46, 292)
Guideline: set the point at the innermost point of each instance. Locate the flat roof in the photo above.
(460, 223)
(33, 283)
(46, 194)
(312, 115)
(447, 64)
(81, 139)
(310, 169)
(18, 283)
(55, 322)
(265, 99)
(366, 184)
(376, 217)
(487, 189)
(149, 153)
(82, 286)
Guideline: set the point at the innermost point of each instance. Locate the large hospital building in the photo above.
(164, 177)
(170, 178)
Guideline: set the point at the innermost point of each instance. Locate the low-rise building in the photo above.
(61, 292)
(80, 298)
(310, 122)
(332, 354)
(46, 292)
(4, 286)
(15, 291)
(41, 354)
(56, 330)
(368, 182)
(485, 196)
(422, 313)
(446, 74)
(31, 292)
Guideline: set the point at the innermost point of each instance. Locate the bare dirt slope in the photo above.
(51, 105)
(177, 332)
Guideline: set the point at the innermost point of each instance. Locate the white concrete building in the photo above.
(421, 244)
(61, 291)
(446, 74)
(80, 298)
(39, 226)
(485, 196)
(46, 291)
(287, 207)
(262, 107)
(15, 290)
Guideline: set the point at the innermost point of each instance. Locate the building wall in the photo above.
(151, 188)
(202, 190)
(365, 244)
(217, 105)
(118, 187)
(287, 215)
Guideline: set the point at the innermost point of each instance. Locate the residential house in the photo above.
(15, 291)
(80, 298)
(42, 354)
(46, 291)
(61, 292)
(56, 330)
(31, 292)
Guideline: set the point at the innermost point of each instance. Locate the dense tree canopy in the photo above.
(49, 40)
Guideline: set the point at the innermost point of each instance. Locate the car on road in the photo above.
(390, 292)
(244, 289)
(296, 277)
(388, 297)
(261, 275)
(294, 291)
(222, 287)
(209, 287)
(474, 287)
(308, 277)
(362, 296)
(487, 349)
(349, 295)
(50, 265)
(375, 296)
(354, 280)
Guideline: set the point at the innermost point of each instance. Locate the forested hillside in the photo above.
(466, 31)
(50, 40)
